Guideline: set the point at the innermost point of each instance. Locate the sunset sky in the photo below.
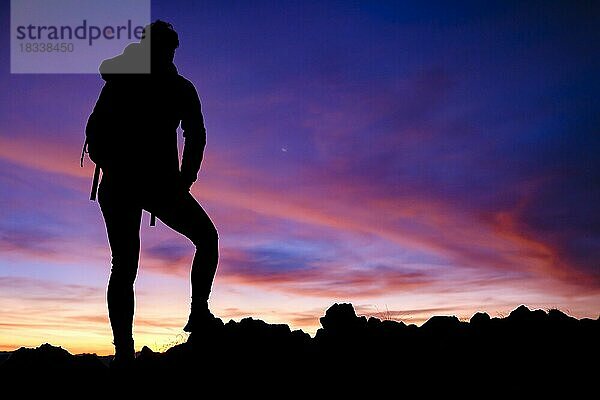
(413, 158)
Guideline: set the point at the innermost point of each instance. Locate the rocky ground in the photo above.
(524, 344)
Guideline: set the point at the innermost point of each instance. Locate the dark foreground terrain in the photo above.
(524, 345)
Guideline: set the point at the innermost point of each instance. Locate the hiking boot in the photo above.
(200, 318)
(121, 362)
(124, 355)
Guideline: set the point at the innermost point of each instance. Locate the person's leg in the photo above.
(122, 218)
(182, 213)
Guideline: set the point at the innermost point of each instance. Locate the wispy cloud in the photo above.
(41, 290)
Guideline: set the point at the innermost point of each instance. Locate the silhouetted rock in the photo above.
(480, 319)
(48, 357)
(4, 355)
(558, 316)
(342, 318)
(525, 341)
(522, 314)
(343, 337)
(148, 359)
(440, 324)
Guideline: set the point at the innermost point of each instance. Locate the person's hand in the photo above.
(186, 183)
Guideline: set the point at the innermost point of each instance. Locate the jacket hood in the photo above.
(135, 59)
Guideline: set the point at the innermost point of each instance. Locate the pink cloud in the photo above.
(43, 155)
(409, 221)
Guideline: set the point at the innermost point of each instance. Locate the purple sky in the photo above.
(416, 157)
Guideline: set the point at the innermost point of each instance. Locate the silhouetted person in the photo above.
(131, 134)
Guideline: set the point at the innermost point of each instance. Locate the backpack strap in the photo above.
(95, 183)
(84, 151)
(94, 190)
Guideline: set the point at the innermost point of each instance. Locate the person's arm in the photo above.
(192, 124)
(96, 126)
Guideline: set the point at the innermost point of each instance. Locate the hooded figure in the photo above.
(132, 136)
(133, 127)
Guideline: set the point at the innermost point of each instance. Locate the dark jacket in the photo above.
(132, 131)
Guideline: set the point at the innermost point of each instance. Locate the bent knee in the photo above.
(208, 236)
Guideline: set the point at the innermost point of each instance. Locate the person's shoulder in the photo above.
(186, 84)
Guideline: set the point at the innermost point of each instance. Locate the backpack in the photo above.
(94, 152)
